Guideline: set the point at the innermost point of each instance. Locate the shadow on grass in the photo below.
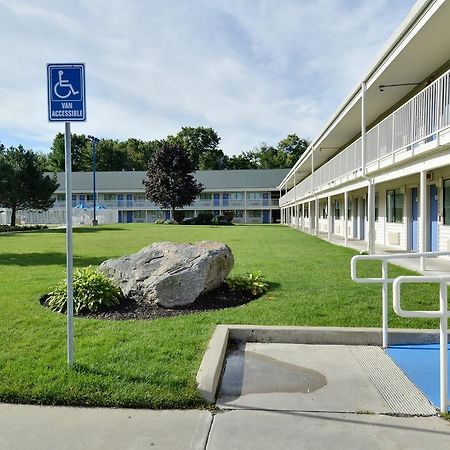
(85, 369)
(273, 286)
(81, 230)
(45, 259)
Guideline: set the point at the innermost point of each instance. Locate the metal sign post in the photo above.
(67, 103)
(69, 242)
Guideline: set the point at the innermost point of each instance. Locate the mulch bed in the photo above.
(220, 298)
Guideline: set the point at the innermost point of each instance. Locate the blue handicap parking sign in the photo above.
(66, 92)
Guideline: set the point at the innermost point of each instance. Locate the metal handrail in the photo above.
(442, 314)
(385, 280)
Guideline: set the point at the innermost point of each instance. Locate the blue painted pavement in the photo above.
(420, 363)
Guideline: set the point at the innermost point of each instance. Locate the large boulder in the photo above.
(171, 274)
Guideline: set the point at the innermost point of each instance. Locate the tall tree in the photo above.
(294, 147)
(140, 153)
(81, 153)
(270, 158)
(213, 160)
(170, 182)
(112, 156)
(246, 160)
(23, 184)
(197, 141)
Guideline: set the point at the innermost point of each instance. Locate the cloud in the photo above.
(253, 70)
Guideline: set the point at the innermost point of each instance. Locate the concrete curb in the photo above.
(210, 371)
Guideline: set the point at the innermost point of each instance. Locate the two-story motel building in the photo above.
(252, 195)
(379, 171)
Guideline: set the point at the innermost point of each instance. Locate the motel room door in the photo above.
(433, 219)
(414, 231)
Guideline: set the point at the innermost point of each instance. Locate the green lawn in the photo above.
(153, 364)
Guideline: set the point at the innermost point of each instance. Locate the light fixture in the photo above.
(382, 87)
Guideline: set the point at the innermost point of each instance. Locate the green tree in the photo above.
(23, 184)
(213, 160)
(140, 153)
(269, 157)
(293, 147)
(81, 154)
(170, 182)
(111, 156)
(197, 141)
(246, 160)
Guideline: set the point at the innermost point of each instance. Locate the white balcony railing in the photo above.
(416, 122)
(201, 204)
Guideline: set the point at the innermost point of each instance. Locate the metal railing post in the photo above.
(443, 344)
(442, 314)
(384, 302)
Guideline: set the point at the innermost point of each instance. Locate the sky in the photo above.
(254, 70)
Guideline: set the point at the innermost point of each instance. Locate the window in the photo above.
(376, 206)
(394, 206)
(139, 197)
(255, 195)
(139, 214)
(349, 209)
(205, 196)
(236, 196)
(157, 214)
(238, 213)
(324, 212)
(61, 197)
(254, 213)
(305, 212)
(109, 197)
(337, 209)
(89, 197)
(446, 202)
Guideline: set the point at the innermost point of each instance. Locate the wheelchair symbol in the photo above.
(63, 89)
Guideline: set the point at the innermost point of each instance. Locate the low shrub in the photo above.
(92, 291)
(178, 215)
(252, 283)
(228, 216)
(6, 228)
(204, 218)
(159, 222)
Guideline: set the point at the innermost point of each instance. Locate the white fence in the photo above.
(58, 217)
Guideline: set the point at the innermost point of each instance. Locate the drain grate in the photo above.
(403, 397)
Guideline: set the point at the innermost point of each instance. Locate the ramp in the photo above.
(318, 378)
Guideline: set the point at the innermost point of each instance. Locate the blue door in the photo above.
(129, 199)
(82, 200)
(120, 216)
(74, 200)
(265, 199)
(120, 200)
(433, 218)
(225, 199)
(216, 200)
(266, 216)
(129, 216)
(362, 218)
(414, 221)
(167, 215)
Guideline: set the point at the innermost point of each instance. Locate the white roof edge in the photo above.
(412, 17)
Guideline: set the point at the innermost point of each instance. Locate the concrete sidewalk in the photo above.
(59, 428)
(433, 266)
